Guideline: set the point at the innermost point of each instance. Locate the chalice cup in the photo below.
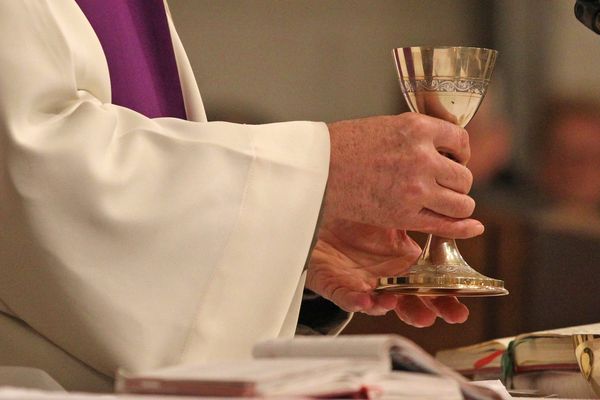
(447, 83)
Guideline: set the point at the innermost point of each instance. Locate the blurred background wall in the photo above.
(260, 61)
(272, 60)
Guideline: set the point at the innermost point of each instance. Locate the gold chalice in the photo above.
(447, 83)
(587, 352)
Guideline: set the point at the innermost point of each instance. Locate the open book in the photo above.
(528, 360)
(371, 366)
(536, 351)
(481, 360)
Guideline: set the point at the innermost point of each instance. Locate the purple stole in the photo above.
(135, 37)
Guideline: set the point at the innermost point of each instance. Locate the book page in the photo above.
(410, 385)
(391, 350)
(255, 371)
(501, 343)
(590, 329)
(372, 347)
(548, 352)
(474, 351)
(496, 386)
(261, 377)
(481, 359)
(398, 351)
(12, 393)
(401, 352)
(313, 366)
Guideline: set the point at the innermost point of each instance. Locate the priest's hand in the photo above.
(405, 171)
(350, 257)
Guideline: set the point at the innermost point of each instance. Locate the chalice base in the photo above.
(441, 271)
(427, 284)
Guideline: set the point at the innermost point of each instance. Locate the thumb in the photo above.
(440, 225)
(364, 237)
(405, 246)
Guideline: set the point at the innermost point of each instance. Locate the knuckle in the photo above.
(416, 188)
(410, 116)
(463, 136)
(463, 207)
(421, 156)
(468, 207)
(426, 157)
(415, 121)
(468, 180)
(462, 179)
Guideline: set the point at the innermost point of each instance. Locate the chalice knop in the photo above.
(447, 83)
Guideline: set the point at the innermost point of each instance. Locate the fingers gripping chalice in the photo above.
(447, 83)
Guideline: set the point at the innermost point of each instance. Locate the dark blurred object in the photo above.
(588, 12)
(568, 159)
(562, 278)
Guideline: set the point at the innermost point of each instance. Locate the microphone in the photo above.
(588, 12)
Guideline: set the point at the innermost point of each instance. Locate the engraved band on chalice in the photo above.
(476, 86)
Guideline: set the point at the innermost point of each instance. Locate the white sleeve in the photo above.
(139, 242)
